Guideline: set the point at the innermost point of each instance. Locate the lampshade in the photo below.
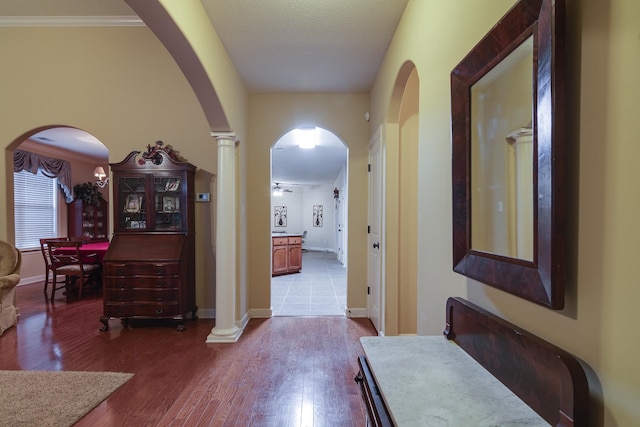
(99, 172)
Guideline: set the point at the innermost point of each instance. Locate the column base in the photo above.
(219, 335)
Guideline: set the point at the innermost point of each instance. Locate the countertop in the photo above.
(286, 234)
(430, 381)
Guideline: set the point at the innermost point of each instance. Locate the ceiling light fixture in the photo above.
(306, 137)
(279, 191)
(99, 173)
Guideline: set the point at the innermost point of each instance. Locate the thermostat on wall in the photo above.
(202, 197)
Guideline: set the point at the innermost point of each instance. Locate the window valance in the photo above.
(50, 167)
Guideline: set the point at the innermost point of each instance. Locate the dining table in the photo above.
(99, 248)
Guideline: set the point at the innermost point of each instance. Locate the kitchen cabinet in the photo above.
(286, 254)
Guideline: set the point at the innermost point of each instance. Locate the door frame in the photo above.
(377, 137)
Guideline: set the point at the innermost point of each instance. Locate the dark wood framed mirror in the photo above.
(509, 153)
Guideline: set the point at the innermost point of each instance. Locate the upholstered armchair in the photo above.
(10, 261)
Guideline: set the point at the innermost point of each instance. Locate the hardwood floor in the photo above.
(284, 371)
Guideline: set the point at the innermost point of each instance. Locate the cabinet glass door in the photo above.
(101, 223)
(88, 222)
(168, 203)
(131, 203)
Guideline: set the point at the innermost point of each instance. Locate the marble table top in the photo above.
(430, 381)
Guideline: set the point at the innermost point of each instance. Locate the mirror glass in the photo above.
(509, 177)
(502, 157)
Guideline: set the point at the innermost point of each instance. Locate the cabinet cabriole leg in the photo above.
(105, 323)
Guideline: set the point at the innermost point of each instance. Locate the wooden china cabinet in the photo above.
(87, 221)
(149, 268)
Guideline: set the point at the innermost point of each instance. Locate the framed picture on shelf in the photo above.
(133, 203)
(170, 204)
(279, 216)
(317, 215)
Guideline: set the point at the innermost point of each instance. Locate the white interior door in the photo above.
(375, 300)
(340, 222)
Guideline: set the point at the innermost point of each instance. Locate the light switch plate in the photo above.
(203, 197)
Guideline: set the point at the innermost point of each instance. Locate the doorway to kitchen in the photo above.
(309, 190)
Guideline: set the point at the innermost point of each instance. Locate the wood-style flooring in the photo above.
(284, 371)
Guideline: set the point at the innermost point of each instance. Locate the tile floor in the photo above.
(320, 289)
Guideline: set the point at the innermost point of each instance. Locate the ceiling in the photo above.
(306, 45)
(276, 46)
(72, 139)
(291, 165)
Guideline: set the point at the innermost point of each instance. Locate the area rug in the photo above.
(53, 398)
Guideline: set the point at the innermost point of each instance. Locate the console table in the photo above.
(484, 372)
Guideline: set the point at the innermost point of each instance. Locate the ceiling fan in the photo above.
(279, 190)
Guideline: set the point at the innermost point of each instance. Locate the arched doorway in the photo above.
(408, 207)
(398, 264)
(308, 198)
(84, 153)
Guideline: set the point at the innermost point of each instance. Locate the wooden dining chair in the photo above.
(44, 248)
(66, 261)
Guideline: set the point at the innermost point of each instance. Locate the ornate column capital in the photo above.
(223, 138)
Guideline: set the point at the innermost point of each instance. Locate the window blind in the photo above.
(35, 208)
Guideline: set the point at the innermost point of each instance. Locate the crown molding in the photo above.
(71, 21)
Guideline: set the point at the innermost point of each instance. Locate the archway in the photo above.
(83, 152)
(401, 210)
(308, 199)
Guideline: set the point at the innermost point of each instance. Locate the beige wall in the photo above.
(120, 85)
(270, 117)
(598, 324)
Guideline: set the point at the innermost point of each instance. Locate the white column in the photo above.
(522, 184)
(225, 329)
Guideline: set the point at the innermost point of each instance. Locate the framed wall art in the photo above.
(317, 215)
(279, 216)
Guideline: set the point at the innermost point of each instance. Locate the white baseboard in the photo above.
(206, 313)
(242, 323)
(317, 249)
(260, 313)
(30, 280)
(36, 279)
(356, 312)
